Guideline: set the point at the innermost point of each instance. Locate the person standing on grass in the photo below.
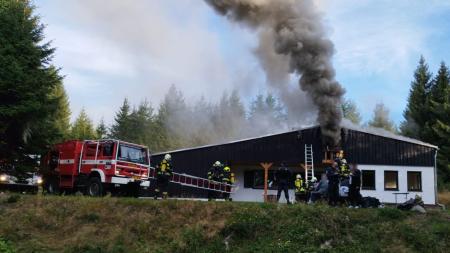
(283, 177)
(354, 194)
(333, 184)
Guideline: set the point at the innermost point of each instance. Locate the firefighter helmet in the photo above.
(217, 164)
(227, 169)
(314, 179)
(299, 176)
(344, 161)
(167, 157)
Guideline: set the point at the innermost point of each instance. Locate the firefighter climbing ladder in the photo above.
(196, 182)
(309, 162)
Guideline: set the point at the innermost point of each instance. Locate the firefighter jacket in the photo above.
(226, 175)
(332, 175)
(299, 186)
(164, 169)
(344, 170)
(214, 173)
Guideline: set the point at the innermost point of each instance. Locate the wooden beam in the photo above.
(266, 167)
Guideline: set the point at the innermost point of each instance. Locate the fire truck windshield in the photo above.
(132, 154)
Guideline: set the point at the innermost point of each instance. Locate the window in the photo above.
(368, 179)
(132, 154)
(414, 181)
(255, 179)
(391, 180)
(91, 149)
(107, 148)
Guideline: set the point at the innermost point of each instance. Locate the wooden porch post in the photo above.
(266, 167)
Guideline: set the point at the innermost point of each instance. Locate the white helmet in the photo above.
(167, 157)
(217, 163)
(299, 176)
(344, 161)
(314, 179)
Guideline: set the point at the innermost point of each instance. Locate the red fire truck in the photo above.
(96, 166)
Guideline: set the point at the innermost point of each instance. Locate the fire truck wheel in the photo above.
(95, 187)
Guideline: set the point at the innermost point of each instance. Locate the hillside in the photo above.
(80, 224)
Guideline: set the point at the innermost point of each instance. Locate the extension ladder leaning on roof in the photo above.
(196, 182)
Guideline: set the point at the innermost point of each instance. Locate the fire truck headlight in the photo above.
(3, 178)
(39, 181)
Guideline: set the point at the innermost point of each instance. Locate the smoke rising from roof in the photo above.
(292, 40)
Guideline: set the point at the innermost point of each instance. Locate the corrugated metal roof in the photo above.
(373, 131)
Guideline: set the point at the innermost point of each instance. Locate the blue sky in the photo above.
(109, 50)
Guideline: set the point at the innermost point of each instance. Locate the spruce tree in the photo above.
(82, 128)
(27, 80)
(120, 127)
(381, 118)
(350, 111)
(416, 113)
(437, 128)
(101, 130)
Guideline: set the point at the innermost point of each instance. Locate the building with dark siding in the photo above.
(389, 163)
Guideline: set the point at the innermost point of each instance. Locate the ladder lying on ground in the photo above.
(196, 182)
(309, 162)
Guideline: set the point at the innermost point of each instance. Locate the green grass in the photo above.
(81, 224)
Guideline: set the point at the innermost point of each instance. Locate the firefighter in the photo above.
(300, 191)
(227, 178)
(164, 173)
(282, 177)
(344, 170)
(214, 175)
(310, 187)
(333, 184)
(354, 194)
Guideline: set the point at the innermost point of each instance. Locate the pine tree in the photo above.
(350, 111)
(82, 128)
(62, 113)
(266, 115)
(101, 130)
(381, 119)
(120, 127)
(437, 128)
(416, 113)
(27, 80)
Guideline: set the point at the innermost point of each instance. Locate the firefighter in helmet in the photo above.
(163, 175)
(214, 175)
(344, 170)
(300, 191)
(227, 178)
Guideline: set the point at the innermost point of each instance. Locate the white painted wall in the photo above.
(427, 194)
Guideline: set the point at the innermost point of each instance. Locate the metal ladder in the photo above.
(196, 182)
(309, 162)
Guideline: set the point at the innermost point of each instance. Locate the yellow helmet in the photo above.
(227, 169)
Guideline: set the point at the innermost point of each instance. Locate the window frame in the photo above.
(374, 180)
(396, 179)
(272, 172)
(420, 180)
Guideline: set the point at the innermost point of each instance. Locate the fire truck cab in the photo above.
(95, 167)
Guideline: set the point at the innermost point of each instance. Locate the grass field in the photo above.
(81, 224)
